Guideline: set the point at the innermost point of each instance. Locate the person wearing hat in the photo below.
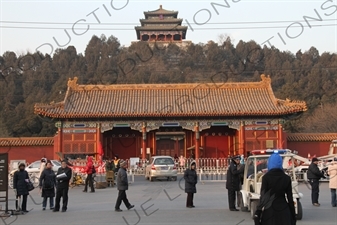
(20, 181)
(122, 186)
(191, 179)
(273, 207)
(332, 172)
(233, 181)
(314, 175)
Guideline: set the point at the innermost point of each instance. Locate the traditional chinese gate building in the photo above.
(206, 120)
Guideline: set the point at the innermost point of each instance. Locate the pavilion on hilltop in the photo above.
(162, 26)
(206, 120)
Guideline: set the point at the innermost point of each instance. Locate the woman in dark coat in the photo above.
(47, 185)
(20, 181)
(275, 185)
(191, 179)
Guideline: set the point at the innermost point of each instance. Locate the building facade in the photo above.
(32, 149)
(209, 120)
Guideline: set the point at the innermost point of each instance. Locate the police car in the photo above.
(255, 168)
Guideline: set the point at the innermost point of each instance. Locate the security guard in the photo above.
(233, 181)
(314, 175)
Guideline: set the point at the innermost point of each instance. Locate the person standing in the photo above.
(275, 186)
(191, 179)
(122, 186)
(20, 181)
(182, 161)
(42, 166)
(314, 175)
(233, 182)
(47, 185)
(63, 177)
(89, 179)
(117, 163)
(110, 172)
(332, 172)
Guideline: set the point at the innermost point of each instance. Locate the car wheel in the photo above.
(151, 179)
(253, 206)
(299, 210)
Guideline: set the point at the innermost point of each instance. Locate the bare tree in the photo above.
(322, 120)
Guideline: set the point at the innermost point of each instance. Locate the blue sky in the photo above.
(281, 22)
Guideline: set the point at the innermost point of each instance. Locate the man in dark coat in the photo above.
(20, 181)
(314, 174)
(275, 186)
(47, 185)
(63, 177)
(233, 181)
(122, 186)
(191, 179)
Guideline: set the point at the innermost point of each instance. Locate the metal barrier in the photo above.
(206, 165)
(101, 177)
(212, 176)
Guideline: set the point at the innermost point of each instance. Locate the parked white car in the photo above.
(35, 167)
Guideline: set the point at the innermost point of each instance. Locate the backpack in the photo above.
(48, 184)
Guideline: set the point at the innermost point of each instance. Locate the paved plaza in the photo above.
(160, 203)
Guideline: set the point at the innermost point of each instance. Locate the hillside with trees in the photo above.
(36, 78)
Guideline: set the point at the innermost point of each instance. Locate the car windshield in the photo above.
(56, 163)
(163, 161)
(35, 164)
(261, 165)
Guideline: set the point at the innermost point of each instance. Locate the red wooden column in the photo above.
(59, 140)
(98, 139)
(144, 141)
(241, 139)
(280, 136)
(196, 142)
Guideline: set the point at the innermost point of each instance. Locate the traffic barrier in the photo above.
(212, 176)
(212, 165)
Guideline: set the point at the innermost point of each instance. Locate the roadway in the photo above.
(160, 203)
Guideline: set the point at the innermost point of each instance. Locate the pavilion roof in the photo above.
(309, 137)
(170, 100)
(163, 21)
(162, 28)
(26, 141)
(161, 11)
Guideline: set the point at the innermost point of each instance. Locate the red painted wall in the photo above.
(314, 148)
(28, 153)
(125, 148)
(216, 146)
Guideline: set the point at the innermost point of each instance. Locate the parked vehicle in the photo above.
(256, 167)
(33, 170)
(35, 167)
(161, 167)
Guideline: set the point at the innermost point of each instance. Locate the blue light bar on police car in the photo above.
(270, 151)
